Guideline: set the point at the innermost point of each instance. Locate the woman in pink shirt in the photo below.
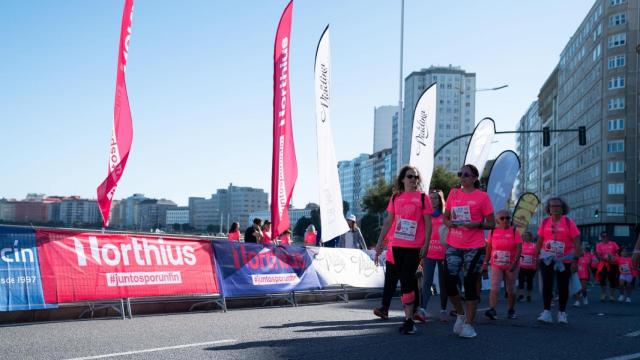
(409, 217)
(584, 263)
(468, 212)
(607, 253)
(234, 232)
(504, 247)
(266, 233)
(310, 236)
(558, 250)
(435, 257)
(628, 274)
(285, 238)
(528, 266)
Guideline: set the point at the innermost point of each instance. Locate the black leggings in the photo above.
(610, 275)
(526, 276)
(548, 274)
(390, 283)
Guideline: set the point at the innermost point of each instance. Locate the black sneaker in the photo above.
(511, 314)
(491, 314)
(408, 327)
(381, 312)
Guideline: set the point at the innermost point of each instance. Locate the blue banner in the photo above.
(501, 179)
(20, 281)
(253, 269)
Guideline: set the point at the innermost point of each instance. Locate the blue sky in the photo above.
(199, 77)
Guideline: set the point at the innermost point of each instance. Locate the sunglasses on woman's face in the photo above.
(505, 218)
(465, 175)
(411, 176)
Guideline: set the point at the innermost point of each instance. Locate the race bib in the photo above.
(526, 260)
(501, 258)
(556, 247)
(624, 268)
(406, 229)
(461, 214)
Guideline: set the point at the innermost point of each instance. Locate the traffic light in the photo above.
(596, 214)
(546, 136)
(582, 135)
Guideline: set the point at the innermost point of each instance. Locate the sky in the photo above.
(199, 78)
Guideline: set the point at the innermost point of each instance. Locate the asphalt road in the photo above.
(330, 330)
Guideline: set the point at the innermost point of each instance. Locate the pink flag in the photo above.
(284, 170)
(122, 133)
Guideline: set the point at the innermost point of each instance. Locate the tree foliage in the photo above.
(301, 226)
(444, 180)
(377, 197)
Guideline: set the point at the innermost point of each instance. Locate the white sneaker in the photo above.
(577, 303)
(621, 298)
(628, 300)
(562, 318)
(457, 327)
(585, 301)
(468, 331)
(545, 317)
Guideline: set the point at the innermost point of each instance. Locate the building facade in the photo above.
(455, 112)
(179, 215)
(595, 85)
(233, 204)
(383, 126)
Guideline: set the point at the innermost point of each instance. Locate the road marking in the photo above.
(484, 309)
(218, 342)
(625, 357)
(633, 334)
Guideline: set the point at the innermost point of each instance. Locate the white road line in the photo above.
(218, 342)
(483, 309)
(625, 357)
(633, 334)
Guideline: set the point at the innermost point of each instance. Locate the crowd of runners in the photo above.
(463, 238)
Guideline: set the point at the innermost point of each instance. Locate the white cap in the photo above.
(351, 217)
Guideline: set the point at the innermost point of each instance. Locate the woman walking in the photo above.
(468, 212)
(528, 266)
(409, 217)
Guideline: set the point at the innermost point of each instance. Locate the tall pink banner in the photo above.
(284, 170)
(122, 133)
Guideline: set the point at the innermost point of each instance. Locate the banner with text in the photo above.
(423, 135)
(20, 281)
(350, 267)
(79, 266)
(524, 211)
(480, 144)
(254, 269)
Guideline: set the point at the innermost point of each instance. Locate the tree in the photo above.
(345, 208)
(370, 226)
(377, 197)
(301, 226)
(444, 180)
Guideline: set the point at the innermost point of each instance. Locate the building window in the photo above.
(596, 53)
(614, 146)
(616, 124)
(615, 167)
(615, 209)
(618, 19)
(616, 61)
(617, 2)
(617, 40)
(616, 82)
(615, 189)
(616, 103)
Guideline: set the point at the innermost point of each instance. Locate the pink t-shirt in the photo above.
(557, 238)
(594, 260)
(607, 251)
(583, 266)
(436, 250)
(266, 237)
(285, 239)
(466, 208)
(504, 247)
(389, 255)
(234, 236)
(310, 239)
(528, 258)
(408, 229)
(626, 266)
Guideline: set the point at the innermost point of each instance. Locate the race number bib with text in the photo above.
(406, 229)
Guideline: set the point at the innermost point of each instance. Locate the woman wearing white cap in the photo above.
(353, 238)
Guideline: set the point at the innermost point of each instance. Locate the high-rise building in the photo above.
(129, 217)
(7, 210)
(178, 215)
(382, 126)
(595, 85)
(455, 113)
(529, 148)
(74, 211)
(235, 203)
(153, 213)
(361, 173)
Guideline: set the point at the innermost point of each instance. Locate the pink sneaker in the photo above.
(420, 315)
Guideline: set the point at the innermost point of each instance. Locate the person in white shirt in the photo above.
(353, 238)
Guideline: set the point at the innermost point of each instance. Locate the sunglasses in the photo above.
(465, 175)
(411, 177)
(505, 218)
